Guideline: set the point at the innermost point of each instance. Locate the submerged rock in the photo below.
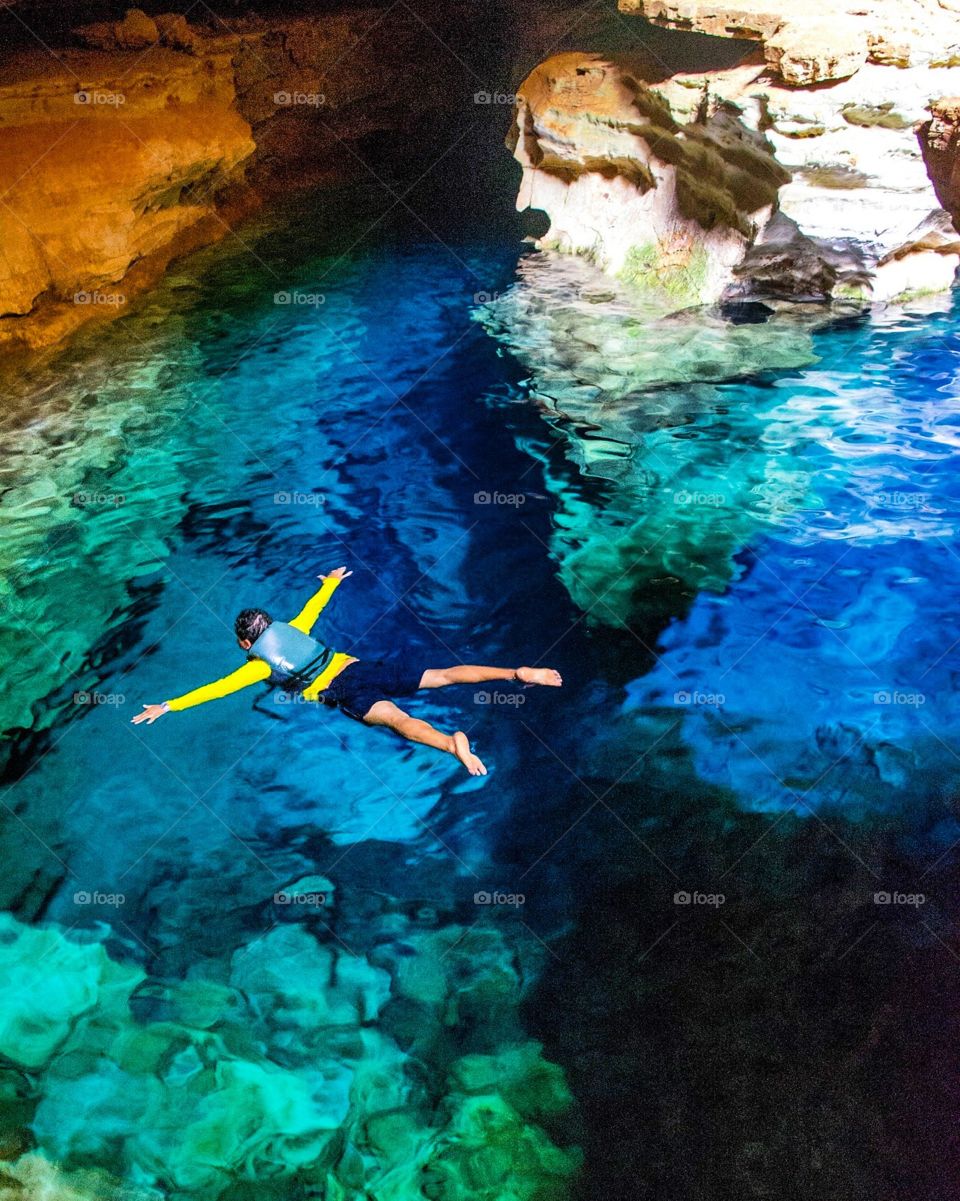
(626, 384)
(288, 1083)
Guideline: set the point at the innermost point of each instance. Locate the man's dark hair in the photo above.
(251, 623)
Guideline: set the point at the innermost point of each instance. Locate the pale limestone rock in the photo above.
(806, 51)
(859, 180)
(723, 18)
(848, 216)
(787, 264)
(926, 262)
(669, 207)
(898, 33)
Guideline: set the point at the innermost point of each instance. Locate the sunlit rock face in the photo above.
(671, 207)
(860, 197)
(838, 98)
(831, 43)
(940, 139)
(110, 161)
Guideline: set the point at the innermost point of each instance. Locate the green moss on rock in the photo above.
(676, 274)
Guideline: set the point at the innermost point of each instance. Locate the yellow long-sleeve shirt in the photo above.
(256, 670)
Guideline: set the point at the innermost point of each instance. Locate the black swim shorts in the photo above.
(360, 685)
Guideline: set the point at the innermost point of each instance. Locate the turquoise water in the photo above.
(243, 951)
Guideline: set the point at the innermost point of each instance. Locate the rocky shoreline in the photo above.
(839, 151)
(812, 168)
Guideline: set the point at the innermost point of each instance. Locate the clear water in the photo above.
(736, 541)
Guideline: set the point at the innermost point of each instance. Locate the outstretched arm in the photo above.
(249, 673)
(306, 618)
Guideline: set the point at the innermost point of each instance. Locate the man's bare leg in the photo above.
(386, 713)
(472, 673)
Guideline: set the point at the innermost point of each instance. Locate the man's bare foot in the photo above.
(461, 748)
(539, 675)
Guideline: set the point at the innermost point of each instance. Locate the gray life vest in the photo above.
(294, 657)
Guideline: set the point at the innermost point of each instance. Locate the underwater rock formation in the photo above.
(838, 99)
(670, 207)
(281, 1076)
(623, 382)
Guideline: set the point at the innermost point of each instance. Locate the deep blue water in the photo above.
(746, 571)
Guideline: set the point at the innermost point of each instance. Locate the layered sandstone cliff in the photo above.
(152, 135)
(112, 164)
